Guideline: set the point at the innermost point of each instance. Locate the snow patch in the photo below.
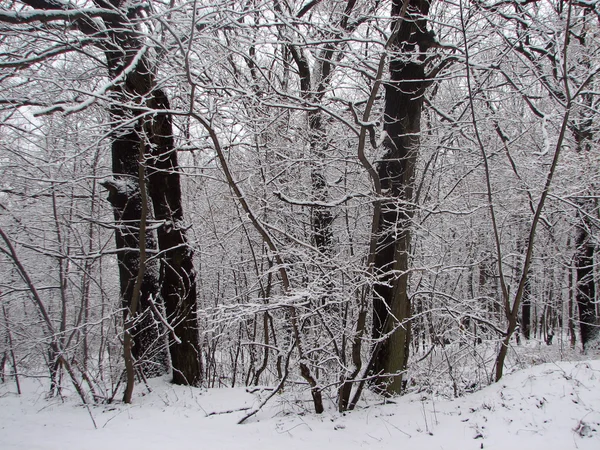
(553, 406)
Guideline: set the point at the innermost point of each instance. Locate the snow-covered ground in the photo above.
(550, 406)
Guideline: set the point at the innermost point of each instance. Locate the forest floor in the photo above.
(548, 406)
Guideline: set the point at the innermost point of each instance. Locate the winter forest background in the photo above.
(334, 196)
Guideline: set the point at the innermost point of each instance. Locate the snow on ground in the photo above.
(550, 406)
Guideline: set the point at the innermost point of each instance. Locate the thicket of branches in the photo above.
(335, 195)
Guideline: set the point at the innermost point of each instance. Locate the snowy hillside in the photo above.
(551, 406)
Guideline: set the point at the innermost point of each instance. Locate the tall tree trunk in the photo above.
(124, 52)
(582, 128)
(177, 274)
(585, 294)
(403, 106)
(177, 280)
(571, 307)
(322, 216)
(124, 195)
(526, 311)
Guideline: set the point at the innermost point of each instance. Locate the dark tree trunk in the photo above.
(572, 294)
(526, 313)
(177, 284)
(586, 287)
(125, 197)
(403, 106)
(322, 217)
(119, 38)
(585, 293)
(177, 275)
(148, 344)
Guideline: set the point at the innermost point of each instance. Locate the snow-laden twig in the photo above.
(93, 96)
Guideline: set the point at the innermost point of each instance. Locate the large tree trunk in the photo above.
(322, 217)
(585, 294)
(124, 195)
(403, 106)
(155, 133)
(526, 312)
(177, 275)
(128, 140)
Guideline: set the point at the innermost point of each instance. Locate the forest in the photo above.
(320, 198)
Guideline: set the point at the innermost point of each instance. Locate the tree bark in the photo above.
(134, 84)
(125, 197)
(585, 294)
(177, 277)
(177, 274)
(403, 106)
(526, 312)
(148, 347)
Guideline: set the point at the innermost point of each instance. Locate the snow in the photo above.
(550, 406)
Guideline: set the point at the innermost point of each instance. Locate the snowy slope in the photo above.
(551, 406)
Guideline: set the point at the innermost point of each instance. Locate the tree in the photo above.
(140, 122)
(154, 133)
(404, 94)
(583, 130)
